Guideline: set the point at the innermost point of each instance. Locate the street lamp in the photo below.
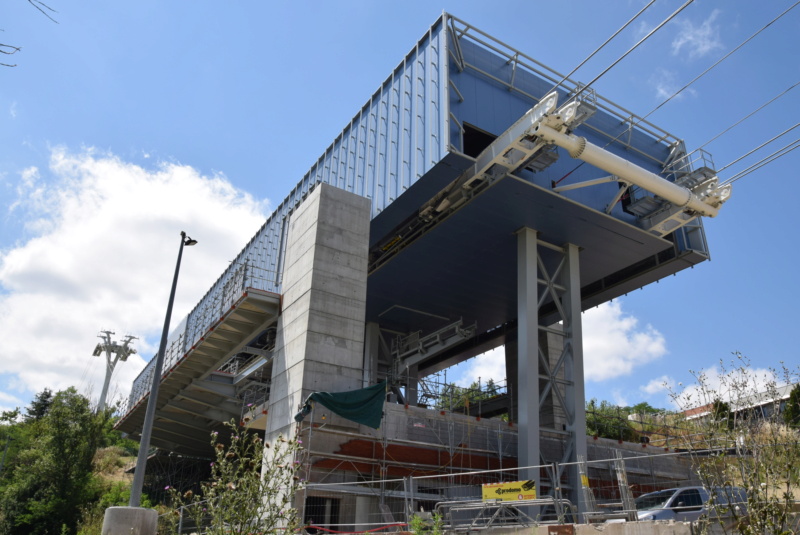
(149, 415)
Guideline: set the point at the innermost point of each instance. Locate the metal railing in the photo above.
(228, 289)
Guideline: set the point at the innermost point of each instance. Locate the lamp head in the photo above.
(187, 241)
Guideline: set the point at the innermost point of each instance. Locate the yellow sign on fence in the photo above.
(509, 491)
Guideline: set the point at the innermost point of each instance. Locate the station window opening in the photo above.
(475, 140)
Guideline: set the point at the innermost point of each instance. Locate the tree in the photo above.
(10, 50)
(607, 420)
(252, 484)
(39, 406)
(738, 446)
(52, 479)
(791, 414)
(459, 399)
(721, 413)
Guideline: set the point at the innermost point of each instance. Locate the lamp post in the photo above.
(149, 415)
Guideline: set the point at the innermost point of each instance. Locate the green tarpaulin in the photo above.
(364, 406)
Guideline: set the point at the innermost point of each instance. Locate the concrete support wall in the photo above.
(320, 337)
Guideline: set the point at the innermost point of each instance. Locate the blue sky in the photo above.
(125, 122)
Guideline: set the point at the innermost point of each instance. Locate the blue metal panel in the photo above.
(396, 138)
(489, 101)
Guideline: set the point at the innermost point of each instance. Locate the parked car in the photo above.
(690, 503)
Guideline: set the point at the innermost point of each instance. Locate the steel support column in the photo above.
(550, 373)
(527, 353)
(575, 398)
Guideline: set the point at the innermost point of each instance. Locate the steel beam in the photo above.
(527, 353)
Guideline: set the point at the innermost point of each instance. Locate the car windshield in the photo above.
(654, 500)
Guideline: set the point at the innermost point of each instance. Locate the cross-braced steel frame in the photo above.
(548, 294)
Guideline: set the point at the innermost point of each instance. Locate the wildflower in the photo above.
(231, 486)
(299, 441)
(219, 446)
(230, 455)
(249, 404)
(212, 464)
(188, 495)
(166, 488)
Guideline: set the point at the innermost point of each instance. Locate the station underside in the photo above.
(465, 267)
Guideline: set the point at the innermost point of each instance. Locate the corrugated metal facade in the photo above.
(396, 137)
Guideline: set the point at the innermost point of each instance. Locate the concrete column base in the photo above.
(130, 521)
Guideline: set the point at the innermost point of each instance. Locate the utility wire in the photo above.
(723, 58)
(759, 147)
(737, 123)
(640, 119)
(764, 161)
(631, 49)
(596, 50)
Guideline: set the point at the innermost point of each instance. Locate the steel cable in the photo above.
(786, 149)
(723, 58)
(634, 47)
(737, 123)
(599, 48)
(743, 156)
(640, 119)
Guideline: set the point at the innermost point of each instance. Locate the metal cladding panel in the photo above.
(398, 135)
(394, 140)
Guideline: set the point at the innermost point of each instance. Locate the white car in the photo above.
(690, 503)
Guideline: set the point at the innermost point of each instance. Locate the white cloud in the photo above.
(100, 250)
(658, 385)
(727, 384)
(666, 85)
(10, 402)
(614, 344)
(620, 399)
(698, 40)
(12, 110)
(642, 28)
(489, 365)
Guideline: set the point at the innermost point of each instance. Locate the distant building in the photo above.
(759, 405)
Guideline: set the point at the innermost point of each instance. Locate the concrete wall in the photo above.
(320, 337)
